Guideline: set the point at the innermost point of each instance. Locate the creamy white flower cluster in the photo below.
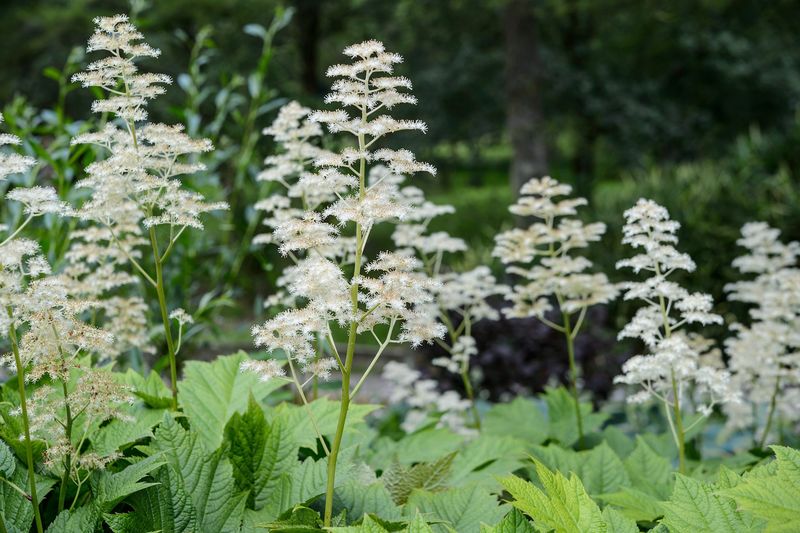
(763, 357)
(544, 249)
(136, 185)
(40, 319)
(673, 365)
(346, 195)
(426, 403)
(461, 296)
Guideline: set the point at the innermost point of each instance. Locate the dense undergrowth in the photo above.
(250, 442)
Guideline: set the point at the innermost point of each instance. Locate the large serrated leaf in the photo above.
(119, 434)
(562, 503)
(774, 497)
(109, 489)
(695, 508)
(210, 393)
(520, 418)
(259, 452)
(8, 462)
(81, 520)
(326, 417)
(464, 508)
(561, 414)
(360, 499)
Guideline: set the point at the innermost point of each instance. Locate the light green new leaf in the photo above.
(562, 503)
(522, 418)
(695, 508)
(600, 469)
(464, 508)
(561, 413)
(210, 393)
(649, 472)
(775, 497)
(513, 522)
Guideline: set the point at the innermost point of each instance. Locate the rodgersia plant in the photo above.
(543, 256)
(763, 357)
(460, 295)
(136, 194)
(672, 368)
(385, 298)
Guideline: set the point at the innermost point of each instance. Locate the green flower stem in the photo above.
(12, 334)
(162, 303)
(351, 338)
(772, 404)
(573, 373)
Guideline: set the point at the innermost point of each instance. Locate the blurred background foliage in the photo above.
(693, 103)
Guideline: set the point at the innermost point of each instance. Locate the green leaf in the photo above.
(150, 389)
(695, 508)
(513, 522)
(561, 413)
(401, 481)
(8, 462)
(15, 509)
(195, 492)
(118, 434)
(649, 472)
(81, 520)
(210, 393)
(562, 504)
(520, 418)
(360, 499)
(418, 525)
(464, 507)
(485, 457)
(326, 415)
(259, 452)
(616, 522)
(109, 489)
(602, 471)
(773, 497)
(423, 446)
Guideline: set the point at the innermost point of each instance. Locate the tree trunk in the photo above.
(523, 67)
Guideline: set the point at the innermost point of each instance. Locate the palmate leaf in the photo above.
(108, 489)
(81, 520)
(651, 481)
(775, 497)
(196, 490)
(600, 469)
(696, 508)
(8, 462)
(210, 393)
(259, 452)
(119, 434)
(375, 524)
(561, 505)
(561, 413)
(463, 508)
(151, 389)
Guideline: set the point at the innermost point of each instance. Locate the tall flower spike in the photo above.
(556, 283)
(763, 357)
(389, 298)
(136, 190)
(673, 366)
